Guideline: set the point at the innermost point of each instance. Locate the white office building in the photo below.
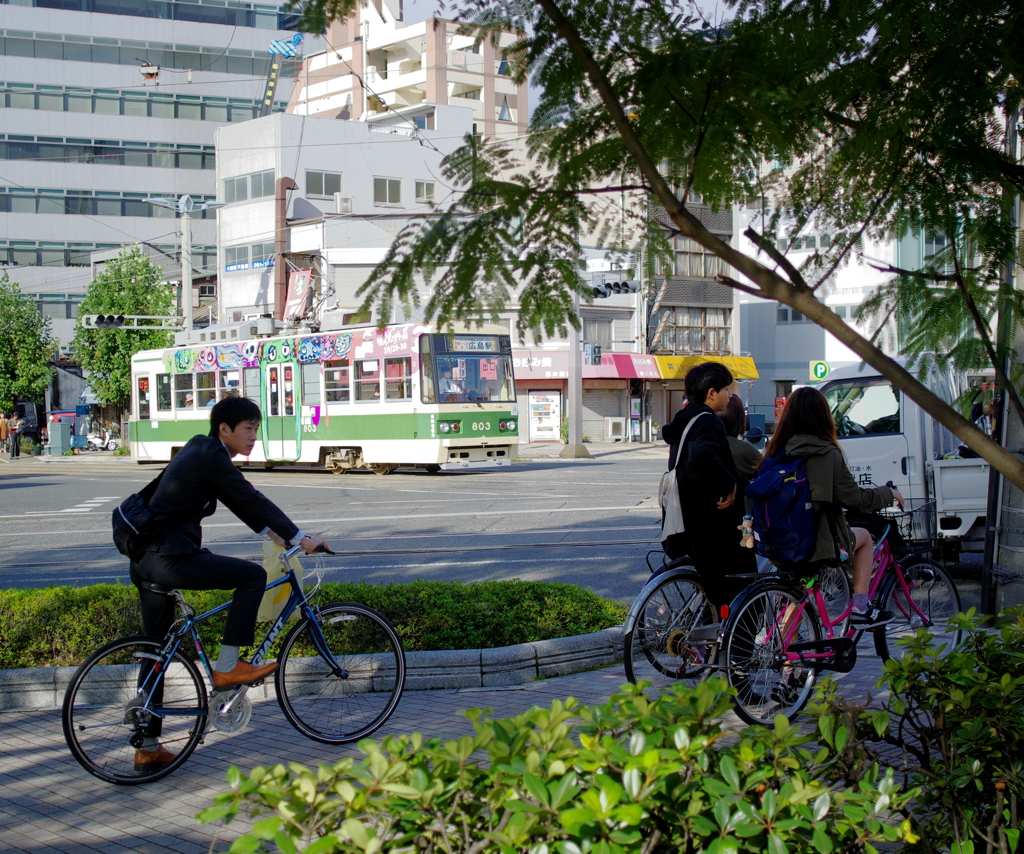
(85, 138)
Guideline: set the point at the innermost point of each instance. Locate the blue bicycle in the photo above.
(340, 676)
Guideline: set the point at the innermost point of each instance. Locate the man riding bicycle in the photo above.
(199, 476)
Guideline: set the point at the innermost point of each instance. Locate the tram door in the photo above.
(282, 415)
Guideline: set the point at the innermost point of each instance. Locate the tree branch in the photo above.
(769, 249)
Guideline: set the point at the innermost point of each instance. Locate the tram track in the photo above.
(362, 553)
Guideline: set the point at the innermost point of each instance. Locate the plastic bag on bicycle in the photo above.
(274, 600)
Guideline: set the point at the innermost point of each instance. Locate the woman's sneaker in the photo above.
(872, 618)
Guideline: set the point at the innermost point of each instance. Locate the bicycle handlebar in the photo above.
(294, 550)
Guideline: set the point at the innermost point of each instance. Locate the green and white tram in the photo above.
(405, 396)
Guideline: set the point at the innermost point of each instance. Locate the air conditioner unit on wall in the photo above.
(342, 204)
(615, 429)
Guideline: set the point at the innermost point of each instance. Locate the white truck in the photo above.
(887, 436)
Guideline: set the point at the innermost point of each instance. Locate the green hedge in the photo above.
(62, 625)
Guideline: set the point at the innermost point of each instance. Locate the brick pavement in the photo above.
(50, 804)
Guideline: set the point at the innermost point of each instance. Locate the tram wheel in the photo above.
(382, 468)
(433, 468)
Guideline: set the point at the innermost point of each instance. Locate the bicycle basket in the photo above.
(913, 528)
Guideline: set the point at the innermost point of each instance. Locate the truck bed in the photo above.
(960, 488)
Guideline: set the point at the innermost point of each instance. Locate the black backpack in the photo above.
(134, 526)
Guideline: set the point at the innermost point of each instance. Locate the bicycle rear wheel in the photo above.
(660, 647)
(336, 709)
(105, 717)
(932, 602)
(766, 682)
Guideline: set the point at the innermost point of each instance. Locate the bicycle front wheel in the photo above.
(113, 702)
(837, 593)
(674, 637)
(760, 629)
(930, 601)
(339, 708)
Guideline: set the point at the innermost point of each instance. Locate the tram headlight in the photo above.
(445, 426)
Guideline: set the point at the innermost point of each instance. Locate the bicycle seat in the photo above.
(153, 587)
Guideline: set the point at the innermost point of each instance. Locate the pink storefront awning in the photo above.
(554, 364)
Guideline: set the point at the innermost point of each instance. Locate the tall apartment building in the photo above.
(85, 139)
(378, 69)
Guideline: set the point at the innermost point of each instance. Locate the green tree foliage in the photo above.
(886, 117)
(131, 284)
(26, 347)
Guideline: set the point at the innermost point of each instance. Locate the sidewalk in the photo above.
(50, 804)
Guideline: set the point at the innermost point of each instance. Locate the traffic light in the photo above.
(600, 287)
(108, 321)
(624, 286)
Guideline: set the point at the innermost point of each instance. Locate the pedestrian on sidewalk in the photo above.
(3, 432)
(14, 425)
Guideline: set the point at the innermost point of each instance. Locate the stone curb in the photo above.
(43, 687)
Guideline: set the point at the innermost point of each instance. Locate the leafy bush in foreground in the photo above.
(642, 777)
(954, 721)
(63, 625)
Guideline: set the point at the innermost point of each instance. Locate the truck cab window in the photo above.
(864, 408)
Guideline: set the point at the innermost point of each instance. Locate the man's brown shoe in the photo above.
(242, 674)
(147, 761)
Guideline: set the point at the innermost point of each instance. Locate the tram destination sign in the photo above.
(474, 344)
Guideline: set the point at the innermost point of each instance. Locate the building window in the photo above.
(469, 94)
(257, 185)
(236, 258)
(693, 329)
(323, 183)
(424, 121)
(262, 254)
(387, 191)
(598, 331)
(425, 192)
(783, 388)
(693, 260)
(504, 114)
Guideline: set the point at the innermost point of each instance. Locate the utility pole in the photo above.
(575, 449)
(184, 206)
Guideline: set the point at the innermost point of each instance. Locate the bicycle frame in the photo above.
(884, 563)
(187, 628)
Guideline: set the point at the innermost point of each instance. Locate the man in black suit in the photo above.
(199, 476)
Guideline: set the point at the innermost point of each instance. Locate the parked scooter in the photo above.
(108, 441)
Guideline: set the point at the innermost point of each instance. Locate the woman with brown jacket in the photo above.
(806, 429)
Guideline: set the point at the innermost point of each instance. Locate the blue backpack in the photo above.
(785, 530)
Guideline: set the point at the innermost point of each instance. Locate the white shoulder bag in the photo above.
(668, 492)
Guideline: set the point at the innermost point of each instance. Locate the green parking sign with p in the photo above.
(819, 370)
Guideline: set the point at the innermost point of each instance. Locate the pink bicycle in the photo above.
(780, 633)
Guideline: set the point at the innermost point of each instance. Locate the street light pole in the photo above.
(184, 206)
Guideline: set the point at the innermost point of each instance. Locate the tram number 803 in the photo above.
(481, 425)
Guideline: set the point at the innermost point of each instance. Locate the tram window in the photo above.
(228, 384)
(368, 379)
(426, 371)
(183, 397)
(206, 388)
(311, 385)
(143, 388)
(398, 379)
(289, 390)
(163, 392)
(251, 384)
(336, 381)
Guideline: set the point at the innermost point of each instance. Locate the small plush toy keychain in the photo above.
(747, 527)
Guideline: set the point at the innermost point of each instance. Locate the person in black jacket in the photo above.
(710, 488)
(199, 476)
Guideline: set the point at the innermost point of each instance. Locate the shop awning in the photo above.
(675, 367)
(554, 364)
